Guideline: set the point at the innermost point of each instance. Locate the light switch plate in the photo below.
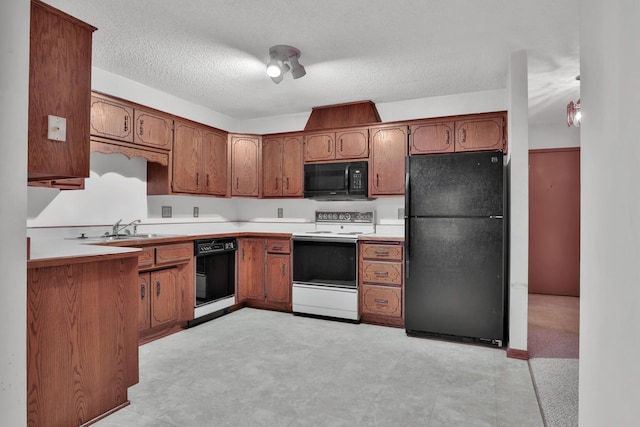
(57, 130)
(166, 212)
(280, 212)
(196, 212)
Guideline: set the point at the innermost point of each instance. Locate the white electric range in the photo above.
(325, 264)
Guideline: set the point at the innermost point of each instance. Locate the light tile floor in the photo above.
(263, 368)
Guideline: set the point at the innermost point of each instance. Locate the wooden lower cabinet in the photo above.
(381, 283)
(264, 273)
(165, 291)
(159, 298)
(82, 351)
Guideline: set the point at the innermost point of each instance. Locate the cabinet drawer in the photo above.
(172, 254)
(382, 272)
(278, 246)
(145, 257)
(382, 252)
(381, 300)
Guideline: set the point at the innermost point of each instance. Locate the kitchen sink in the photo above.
(112, 237)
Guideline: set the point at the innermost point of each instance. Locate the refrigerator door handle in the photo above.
(407, 218)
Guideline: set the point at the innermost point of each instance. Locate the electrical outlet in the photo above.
(400, 213)
(57, 128)
(196, 212)
(166, 212)
(280, 212)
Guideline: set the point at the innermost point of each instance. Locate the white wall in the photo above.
(519, 206)
(553, 135)
(14, 84)
(610, 209)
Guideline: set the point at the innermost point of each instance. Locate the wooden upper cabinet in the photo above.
(481, 133)
(282, 166)
(319, 146)
(186, 158)
(214, 163)
(386, 166)
(245, 165)
(59, 85)
(432, 137)
(352, 144)
(153, 130)
(111, 119)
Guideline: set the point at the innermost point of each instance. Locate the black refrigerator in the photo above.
(455, 247)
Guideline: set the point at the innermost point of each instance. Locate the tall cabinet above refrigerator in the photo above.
(455, 247)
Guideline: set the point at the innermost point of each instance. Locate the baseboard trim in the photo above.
(514, 353)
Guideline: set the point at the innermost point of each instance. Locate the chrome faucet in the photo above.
(116, 227)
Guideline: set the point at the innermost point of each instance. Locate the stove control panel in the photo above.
(345, 217)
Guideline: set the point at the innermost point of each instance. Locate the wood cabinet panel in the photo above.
(251, 261)
(319, 146)
(60, 184)
(282, 166)
(352, 144)
(153, 130)
(386, 166)
(380, 300)
(146, 257)
(82, 348)
(382, 272)
(486, 133)
(59, 85)
(186, 158)
(292, 166)
(278, 278)
(432, 137)
(214, 163)
(111, 119)
(381, 252)
(272, 167)
(174, 254)
(245, 165)
(164, 296)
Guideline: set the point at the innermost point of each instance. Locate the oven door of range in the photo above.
(325, 277)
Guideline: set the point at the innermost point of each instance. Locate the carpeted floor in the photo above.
(554, 350)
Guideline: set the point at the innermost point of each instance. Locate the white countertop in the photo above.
(56, 248)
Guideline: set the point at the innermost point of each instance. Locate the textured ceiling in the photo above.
(213, 52)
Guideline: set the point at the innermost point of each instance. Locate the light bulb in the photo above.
(273, 69)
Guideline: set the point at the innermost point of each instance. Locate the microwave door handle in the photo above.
(346, 179)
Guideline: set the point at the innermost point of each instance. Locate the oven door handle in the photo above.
(346, 179)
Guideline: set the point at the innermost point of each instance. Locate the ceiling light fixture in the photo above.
(574, 115)
(277, 66)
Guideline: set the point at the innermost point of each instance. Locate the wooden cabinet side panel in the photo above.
(82, 351)
(59, 85)
(292, 167)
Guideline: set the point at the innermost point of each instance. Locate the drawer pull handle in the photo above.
(381, 301)
(142, 291)
(158, 288)
(381, 273)
(277, 248)
(382, 252)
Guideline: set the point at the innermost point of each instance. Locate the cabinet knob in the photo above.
(447, 138)
(141, 127)
(158, 288)
(126, 123)
(283, 270)
(197, 179)
(276, 183)
(142, 290)
(463, 132)
(207, 180)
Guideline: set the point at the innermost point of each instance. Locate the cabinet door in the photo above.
(386, 167)
(432, 137)
(272, 160)
(245, 166)
(319, 147)
(153, 130)
(214, 163)
(352, 144)
(144, 302)
(292, 166)
(111, 119)
(250, 280)
(186, 159)
(59, 85)
(381, 300)
(480, 134)
(164, 296)
(278, 278)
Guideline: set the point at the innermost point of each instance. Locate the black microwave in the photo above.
(336, 181)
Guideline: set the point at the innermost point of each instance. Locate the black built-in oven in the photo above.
(215, 277)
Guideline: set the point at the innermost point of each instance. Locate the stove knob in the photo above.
(341, 216)
(347, 216)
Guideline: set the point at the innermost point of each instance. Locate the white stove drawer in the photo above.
(325, 301)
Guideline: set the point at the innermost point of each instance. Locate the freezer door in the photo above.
(455, 284)
(459, 184)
